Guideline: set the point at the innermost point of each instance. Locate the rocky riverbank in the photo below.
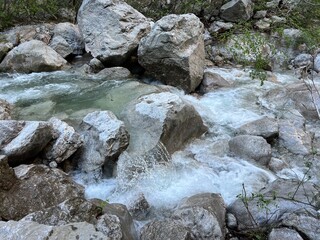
(157, 132)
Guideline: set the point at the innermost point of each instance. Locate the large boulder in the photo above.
(5, 110)
(162, 117)
(251, 147)
(21, 141)
(65, 144)
(105, 137)
(4, 49)
(294, 139)
(165, 229)
(7, 176)
(111, 29)
(306, 99)
(204, 214)
(269, 205)
(125, 219)
(237, 10)
(32, 56)
(265, 127)
(37, 187)
(173, 51)
(284, 233)
(68, 34)
(159, 124)
(72, 210)
(305, 222)
(114, 73)
(212, 80)
(316, 63)
(23, 230)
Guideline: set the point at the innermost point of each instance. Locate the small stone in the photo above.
(53, 164)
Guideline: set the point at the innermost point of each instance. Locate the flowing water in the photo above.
(203, 166)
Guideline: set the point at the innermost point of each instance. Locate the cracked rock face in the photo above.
(173, 51)
(111, 29)
(32, 56)
(37, 187)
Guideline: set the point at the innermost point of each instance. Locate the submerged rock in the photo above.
(32, 56)
(173, 51)
(37, 187)
(111, 29)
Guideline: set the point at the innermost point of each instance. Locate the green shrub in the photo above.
(31, 11)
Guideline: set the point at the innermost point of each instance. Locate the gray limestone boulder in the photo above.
(37, 187)
(303, 60)
(204, 214)
(5, 110)
(70, 211)
(305, 98)
(173, 52)
(316, 63)
(105, 138)
(161, 117)
(265, 127)
(237, 10)
(7, 176)
(140, 208)
(165, 229)
(159, 124)
(22, 140)
(251, 147)
(306, 222)
(125, 219)
(71, 35)
(114, 73)
(66, 143)
(284, 233)
(32, 56)
(4, 49)
(111, 29)
(23, 230)
(268, 206)
(295, 139)
(212, 80)
(61, 46)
